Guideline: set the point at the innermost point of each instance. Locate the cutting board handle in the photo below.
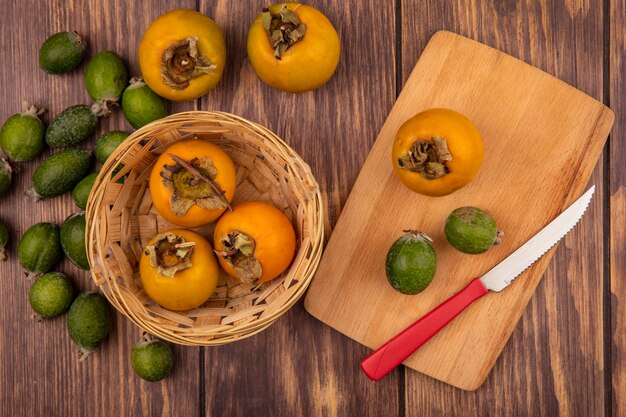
(395, 351)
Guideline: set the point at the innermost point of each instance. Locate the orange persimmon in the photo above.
(255, 242)
(182, 55)
(177, 192)
(293, 47)
(436, 152)
(178, 269)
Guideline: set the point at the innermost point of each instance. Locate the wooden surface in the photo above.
(616, 236)
(515, 107)
(567, 356)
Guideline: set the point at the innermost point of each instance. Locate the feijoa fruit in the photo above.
(88, 322)
(22, 135)
(411, 263)
(73, 239)
(51, 295)
(152, 359)
(81, 191)
(141, 105)
(62, 52)
(72, 126)
(60, 172)
(105, 80)
(107, 143)
(40, 248)
(471, 230)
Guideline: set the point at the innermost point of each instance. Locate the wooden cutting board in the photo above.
(542, 140)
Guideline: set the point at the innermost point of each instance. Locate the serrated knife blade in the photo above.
(500, 276)
(392, 353)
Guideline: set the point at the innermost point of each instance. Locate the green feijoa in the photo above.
(51, 295)
(141, 105)
(22, 135)
(105, 79)
(107, 143)
(471, 230)
(60, 172)
(73, 239)
(152, 359)
(62, 52)
(40, 248)
(80, 194)
(6, 174)
(73, 125)
(88, 322)
(411, 263)
(4, 239)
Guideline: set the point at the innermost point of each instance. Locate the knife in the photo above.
(392, 353)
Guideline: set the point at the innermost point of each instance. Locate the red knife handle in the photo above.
(392, 353)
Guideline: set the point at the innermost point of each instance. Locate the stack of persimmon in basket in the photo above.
(192, 184)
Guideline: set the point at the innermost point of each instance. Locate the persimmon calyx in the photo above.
(170, 253)
(192, 183)
(283, 28)
(239, 253)
(428, 157)
(182, 62)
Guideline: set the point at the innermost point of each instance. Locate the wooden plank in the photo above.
(617, 216)
(299, 366)
(41, 374)
(553, 363)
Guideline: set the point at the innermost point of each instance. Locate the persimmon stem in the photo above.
(185, 245)
(198, 176)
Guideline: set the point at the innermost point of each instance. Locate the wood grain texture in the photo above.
(558, 341)
(300, 366)
(617, 214)
(40, 372)
(507, 100)
(553, 363)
